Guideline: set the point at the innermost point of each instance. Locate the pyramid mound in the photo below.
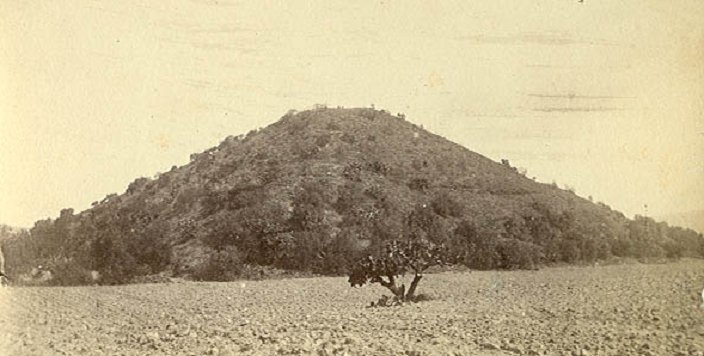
(319, 188)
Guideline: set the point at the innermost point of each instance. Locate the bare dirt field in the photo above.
(629, 309)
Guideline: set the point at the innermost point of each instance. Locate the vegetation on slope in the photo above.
(320, 188)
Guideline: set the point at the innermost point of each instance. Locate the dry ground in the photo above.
(630, 309)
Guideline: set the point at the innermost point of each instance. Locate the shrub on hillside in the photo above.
(224, 265)
(419, 184)
(594, 248)
(353, 172)
(335, 255)
(473, 248)
(222, 231)
(150, 249)
(348, 138)
(569, 251)
(517, 254)
(308, 207)
(378, 167)
(69, 273)
(305, 150)
(684, 243)
(322, 140)
(111, 258)
(622, 247)
(446, 206)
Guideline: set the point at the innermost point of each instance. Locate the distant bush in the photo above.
(420, 184)
(305, 150)
(321, 254)
(569, 251)
(187, 198)
(353, 172)
(348, 138)
(622, 248)
(222, 231)
(517, 254)
(369, 114)
(376, 192)
(224, 265)
(112, 259)
(594, 248)
(473, 248)
(308, 207)
(378, 167)
(446, 206)
(137, 185)
(483, 250)
(322, 140)
(69, 273)
(151, 249)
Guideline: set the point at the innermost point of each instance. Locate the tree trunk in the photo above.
(400, 291)
(397, 291)
(414, 284)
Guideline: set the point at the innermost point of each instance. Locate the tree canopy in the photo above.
(397, 259)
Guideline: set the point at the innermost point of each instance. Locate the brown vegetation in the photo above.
(319, 189)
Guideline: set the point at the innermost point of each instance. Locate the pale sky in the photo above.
(603, 96)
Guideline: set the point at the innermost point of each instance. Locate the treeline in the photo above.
(532, 241)
(324, 231)
(120, 243)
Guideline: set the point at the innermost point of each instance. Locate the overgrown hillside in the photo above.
(317, 189)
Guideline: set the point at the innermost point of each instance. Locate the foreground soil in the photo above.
(630, 309)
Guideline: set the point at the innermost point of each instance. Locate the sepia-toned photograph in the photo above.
(413, 178)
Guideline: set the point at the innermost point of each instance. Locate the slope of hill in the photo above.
(317, 189)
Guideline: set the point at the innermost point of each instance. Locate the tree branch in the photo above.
(385, 283)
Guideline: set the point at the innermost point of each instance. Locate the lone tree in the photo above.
(399, 258)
